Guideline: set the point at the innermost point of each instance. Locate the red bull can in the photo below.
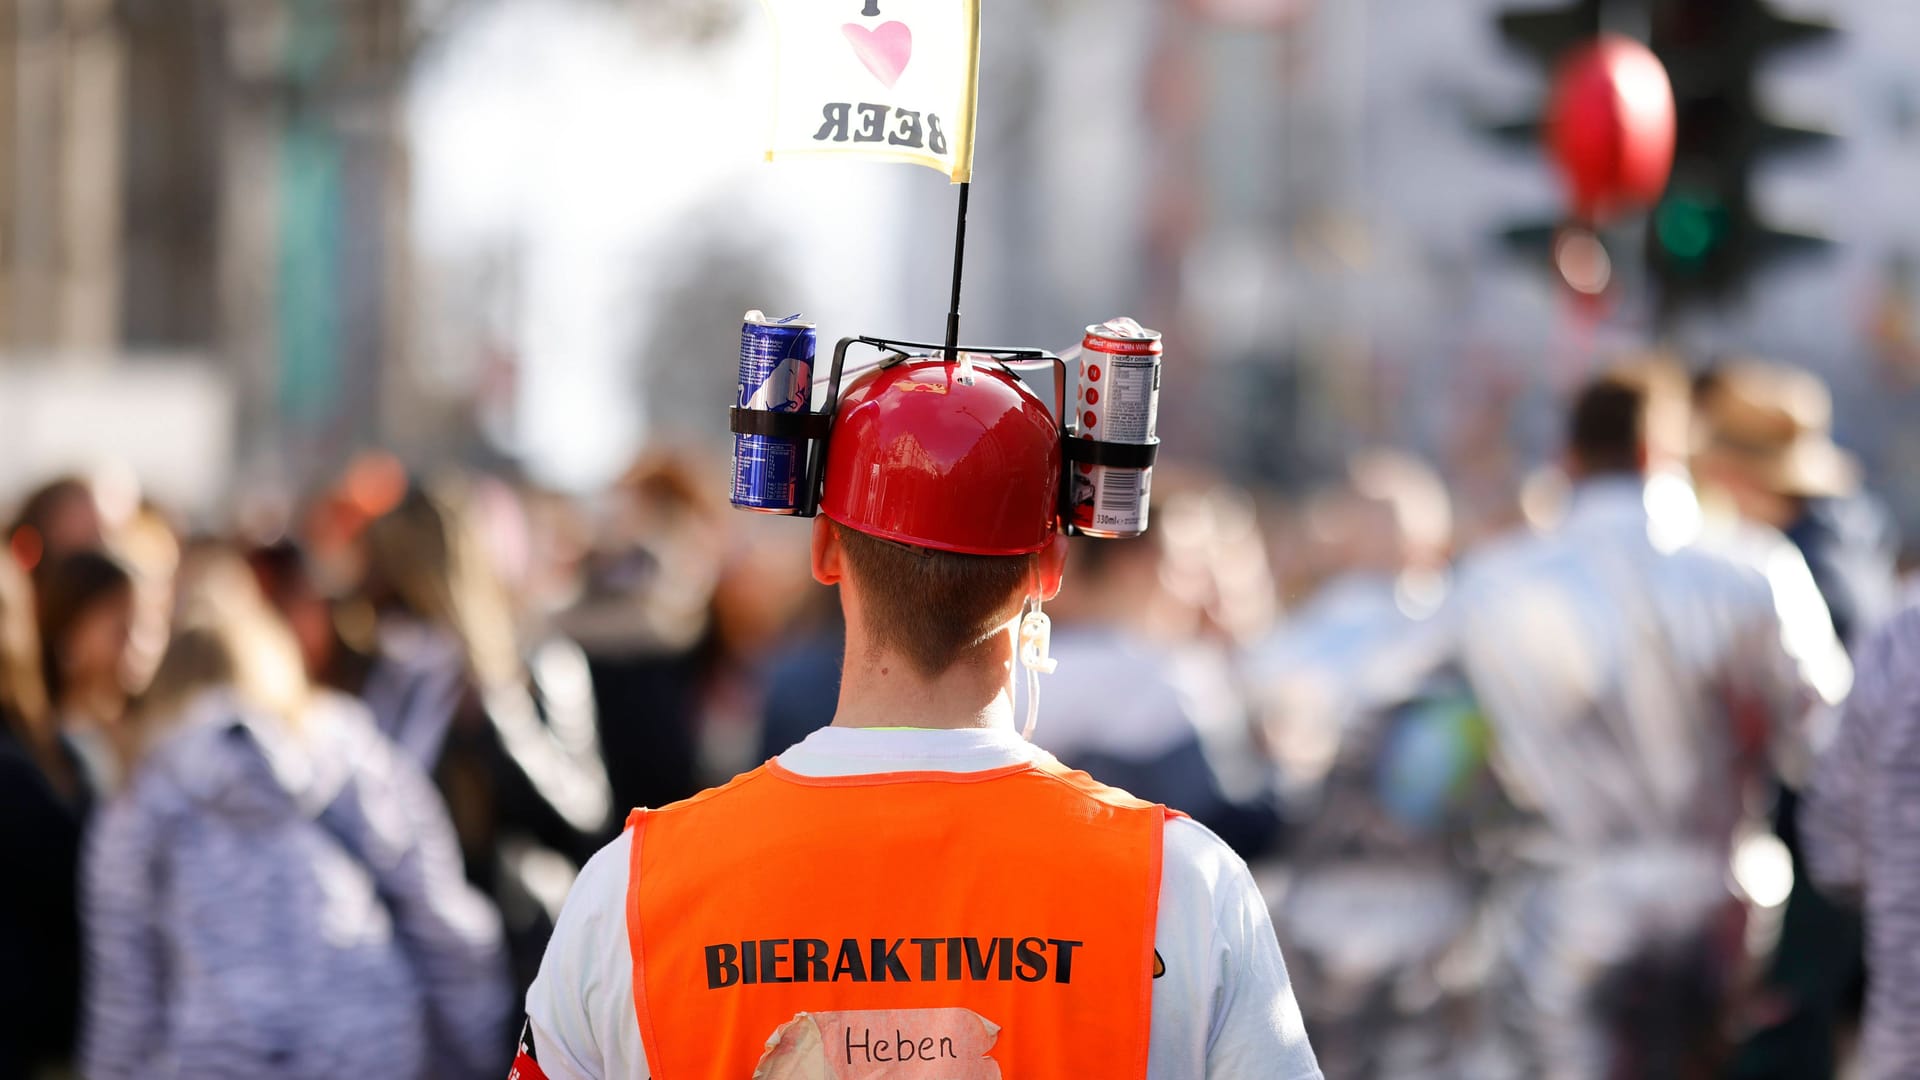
(776, 375)
(1118, 401)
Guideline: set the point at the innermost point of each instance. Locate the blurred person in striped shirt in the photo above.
(1860, 833)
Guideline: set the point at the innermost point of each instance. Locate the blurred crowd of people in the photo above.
(302, 795)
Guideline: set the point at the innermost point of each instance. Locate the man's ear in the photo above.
(829, 558)
(1053, 566)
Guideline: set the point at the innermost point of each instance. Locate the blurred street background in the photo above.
(518, 230)
(407, 328)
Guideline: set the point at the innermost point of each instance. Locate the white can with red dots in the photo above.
(1118, 401)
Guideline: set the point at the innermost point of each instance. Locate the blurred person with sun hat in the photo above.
(1764, 452)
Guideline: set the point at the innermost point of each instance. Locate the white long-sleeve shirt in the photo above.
(1224, 1008)
(1632, 664)
(1618, 656)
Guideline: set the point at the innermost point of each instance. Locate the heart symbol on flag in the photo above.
(885, 49)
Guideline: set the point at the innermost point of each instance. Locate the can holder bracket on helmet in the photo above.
(1119, 455)
(778, 425)
(815, 428)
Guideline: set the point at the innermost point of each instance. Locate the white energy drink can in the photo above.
(1118, 401)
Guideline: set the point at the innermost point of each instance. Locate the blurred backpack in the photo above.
(1378, 915)
(283, 957)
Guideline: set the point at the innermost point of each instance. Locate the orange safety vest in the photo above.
(947, 926)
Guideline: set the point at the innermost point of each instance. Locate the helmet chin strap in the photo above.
(1036, 638)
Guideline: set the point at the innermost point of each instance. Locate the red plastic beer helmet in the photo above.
(921, 456)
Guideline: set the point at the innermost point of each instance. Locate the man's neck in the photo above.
(879, 688)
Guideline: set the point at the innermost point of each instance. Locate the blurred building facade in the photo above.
(214, 187)
(60, 113)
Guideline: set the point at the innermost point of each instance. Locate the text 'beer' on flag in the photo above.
(891, 80)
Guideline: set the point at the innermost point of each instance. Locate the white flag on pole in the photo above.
(890, 80)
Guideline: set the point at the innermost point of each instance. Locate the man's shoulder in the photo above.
(1516, 557)
(594, 914)
(1752, 565)
(604, 879)
(1087, 786)
(1194, 861)
(699, 798)
(581, 1002)
(1507, 552)
(1736, 542)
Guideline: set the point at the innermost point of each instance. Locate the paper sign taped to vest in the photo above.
(889, 80)
(882, 1044)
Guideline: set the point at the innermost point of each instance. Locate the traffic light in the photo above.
(1705, 239)
(1543, 35)
(1546, 33)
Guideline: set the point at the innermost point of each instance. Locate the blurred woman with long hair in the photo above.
(509, 734)
(43, 799)
(87, 606)
(277, 893)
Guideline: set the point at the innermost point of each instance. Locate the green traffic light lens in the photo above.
(1688, 227)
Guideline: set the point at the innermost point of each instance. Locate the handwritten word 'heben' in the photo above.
(902, 1048)
(880, 123)
(949, 959)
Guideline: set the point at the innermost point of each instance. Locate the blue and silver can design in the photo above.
(776, 375)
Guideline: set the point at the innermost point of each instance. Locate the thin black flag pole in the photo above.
(959, 260)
